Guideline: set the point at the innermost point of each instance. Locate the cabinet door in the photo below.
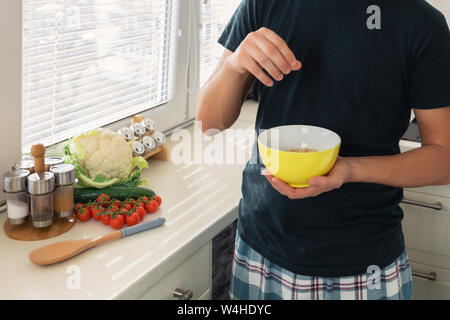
(425, 289)
(192, 275)
(427, 230)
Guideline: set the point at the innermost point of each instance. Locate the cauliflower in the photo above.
(106, 154)
(103, 158)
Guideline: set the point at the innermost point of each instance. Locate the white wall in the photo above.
(442, 5)
(10, 84)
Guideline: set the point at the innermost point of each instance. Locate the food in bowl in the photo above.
(303, 150)
(298, 153)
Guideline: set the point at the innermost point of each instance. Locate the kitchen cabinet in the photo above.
(426, 227)
(425, 289)
(192, 276)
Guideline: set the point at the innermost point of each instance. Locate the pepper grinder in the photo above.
(41, 187)
(38, 153)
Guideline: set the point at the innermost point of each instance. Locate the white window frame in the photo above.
(194, 61)
(176, 112)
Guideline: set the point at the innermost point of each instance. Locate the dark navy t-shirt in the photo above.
(361, 83)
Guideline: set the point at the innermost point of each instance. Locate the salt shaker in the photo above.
(14, 186)
(63, 196)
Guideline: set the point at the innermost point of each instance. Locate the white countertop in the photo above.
(442, 191)
(199, 201)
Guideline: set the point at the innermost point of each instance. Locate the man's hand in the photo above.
(221, 97)
(264, 50)
(339, 175)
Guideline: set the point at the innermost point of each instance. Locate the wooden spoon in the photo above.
(61, 251)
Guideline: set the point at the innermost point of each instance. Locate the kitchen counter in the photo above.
(199, 201)
(443, 191)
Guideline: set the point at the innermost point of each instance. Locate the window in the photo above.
(88, 63)
(215, 16)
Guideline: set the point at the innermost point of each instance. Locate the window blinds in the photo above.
(215, 16)
(87, 63)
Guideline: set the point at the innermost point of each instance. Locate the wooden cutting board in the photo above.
(26, 231)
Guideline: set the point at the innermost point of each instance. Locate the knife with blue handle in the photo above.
(142, 227)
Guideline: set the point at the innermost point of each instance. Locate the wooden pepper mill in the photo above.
(38, 153)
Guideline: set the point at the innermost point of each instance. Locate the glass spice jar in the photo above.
(14, 186)
(138, 129)
(149, 124)
(159, 137)
(41, 187)
(149, 143)
(127, 133)
(63, 197)
(138, 148)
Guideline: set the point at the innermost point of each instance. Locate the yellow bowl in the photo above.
(297, 168)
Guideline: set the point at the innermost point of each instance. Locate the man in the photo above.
(358, 68)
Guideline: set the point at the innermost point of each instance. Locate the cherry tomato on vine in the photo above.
(117, 222)
(105, 219)
(84, 214)
(152, 206)
(124, 213)
(140, 204)
(141, 212)
(131, 202)
(117, 204)
(159, 200)
(133, 219)
(103, 198)
(97, 212)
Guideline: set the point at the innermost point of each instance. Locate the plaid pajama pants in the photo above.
(256, 278)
